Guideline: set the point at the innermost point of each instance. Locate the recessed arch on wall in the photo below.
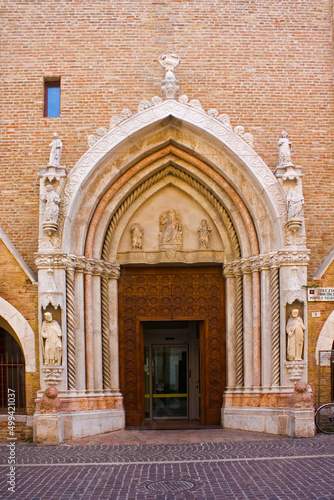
(13, 321)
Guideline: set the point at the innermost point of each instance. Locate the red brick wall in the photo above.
(17, 289)
(267, 64)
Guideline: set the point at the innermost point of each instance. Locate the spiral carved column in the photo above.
(239, 329)
(70, 328)
(275, 325)
(105, 334)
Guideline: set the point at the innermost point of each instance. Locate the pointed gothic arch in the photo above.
(174, 145)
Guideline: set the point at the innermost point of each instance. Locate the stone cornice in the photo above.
(95, 267)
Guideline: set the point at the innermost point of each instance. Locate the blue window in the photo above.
(52, 99)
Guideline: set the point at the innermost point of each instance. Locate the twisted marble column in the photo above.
(275, 325)
(105, 334)
(70, 328)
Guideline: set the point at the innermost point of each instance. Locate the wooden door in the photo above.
(192, 293)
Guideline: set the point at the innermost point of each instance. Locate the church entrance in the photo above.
(172, 343)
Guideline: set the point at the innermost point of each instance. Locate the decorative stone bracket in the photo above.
(295, 369)
(53, 375)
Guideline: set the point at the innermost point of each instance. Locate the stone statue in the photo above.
(170, 229)
(51, 333)
(204, 233)
(284, 148)
(301, 397)
(50, 403)
(169, 88)
(295, 205)
(56, 147)
(137, 235)
(295, 329)
(51, 200)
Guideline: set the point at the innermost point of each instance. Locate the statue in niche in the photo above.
(56, 147)
(284, 148)
(52, 347)
(170, 229)
(204, 234)
(51, 200)
(295, 329)
(295, 205)
(137, 235)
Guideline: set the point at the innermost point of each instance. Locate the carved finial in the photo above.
(169, 87)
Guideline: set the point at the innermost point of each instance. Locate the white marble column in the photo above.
(266, 359)
(113, 329)
(80, 375)
(230, 289)
(248, 324)
(97, 332)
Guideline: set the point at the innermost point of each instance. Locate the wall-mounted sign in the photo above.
(325, 358)
(320, 294)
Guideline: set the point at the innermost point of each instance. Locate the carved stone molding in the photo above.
(217, 126)
(52, 375)
(89, 266)
(295, 369)
(294, 257)
(51, 295)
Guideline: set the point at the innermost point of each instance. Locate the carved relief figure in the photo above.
(295, 205)
(56, 147)
(170, 229)
(52, 347)
(204, 233)
(137, 235)
(51, 200)
(295, 329)
(284, 148)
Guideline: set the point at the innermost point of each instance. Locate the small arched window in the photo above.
(12, 372)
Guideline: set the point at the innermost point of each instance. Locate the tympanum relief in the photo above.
(137, 235)
(204, 234)
(170, 235)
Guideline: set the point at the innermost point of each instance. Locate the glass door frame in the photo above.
(151, 392)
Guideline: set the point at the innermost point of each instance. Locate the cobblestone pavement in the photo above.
(258, 467)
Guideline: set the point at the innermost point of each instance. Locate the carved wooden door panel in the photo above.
(195, 293)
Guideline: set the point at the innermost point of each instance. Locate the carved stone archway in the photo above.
(175, 143)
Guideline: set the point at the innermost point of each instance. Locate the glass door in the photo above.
(166, 384)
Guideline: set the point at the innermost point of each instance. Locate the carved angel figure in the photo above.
(137, 235)
(204, 233)
(51, 200)
(284, 148)
(170, 229)
(52, 347)
(56, 147)
(295, 329)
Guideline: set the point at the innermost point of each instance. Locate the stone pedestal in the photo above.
(292, 422)
(300, 423)
(48, 429)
